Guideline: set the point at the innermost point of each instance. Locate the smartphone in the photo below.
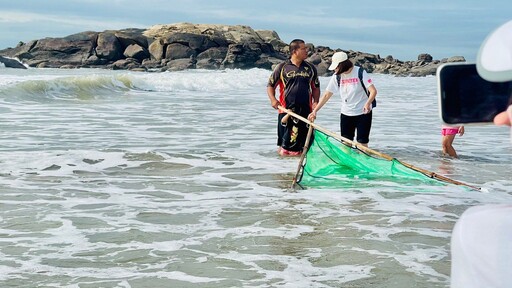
(465, 97)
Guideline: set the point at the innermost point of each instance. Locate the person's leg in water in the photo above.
(448, 137)
(364, 125)
(347, 127)
(447, 145)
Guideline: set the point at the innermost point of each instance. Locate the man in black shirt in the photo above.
(299, 91)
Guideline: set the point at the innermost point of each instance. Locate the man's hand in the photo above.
(275, 104)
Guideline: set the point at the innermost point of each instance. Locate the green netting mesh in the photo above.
(330, 163)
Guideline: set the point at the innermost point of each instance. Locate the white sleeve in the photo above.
(333, 85)
(366, 79)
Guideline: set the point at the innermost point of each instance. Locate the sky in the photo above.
(401, 28)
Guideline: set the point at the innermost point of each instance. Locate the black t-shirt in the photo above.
(295, 84)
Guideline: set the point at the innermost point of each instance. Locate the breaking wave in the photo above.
(87, 87)
(103, 85)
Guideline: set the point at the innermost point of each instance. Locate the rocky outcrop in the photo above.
(11, 63)
(194, 46)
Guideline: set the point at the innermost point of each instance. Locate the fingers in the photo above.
(312, 116)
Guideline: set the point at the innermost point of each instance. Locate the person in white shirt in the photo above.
(356, 104)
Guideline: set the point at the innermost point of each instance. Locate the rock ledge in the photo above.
(182, 46)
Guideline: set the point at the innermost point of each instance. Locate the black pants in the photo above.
(362, 123)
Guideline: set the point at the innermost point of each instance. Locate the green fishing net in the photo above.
(331, 163)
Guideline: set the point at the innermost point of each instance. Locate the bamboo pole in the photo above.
(376, 153)
(303, 155)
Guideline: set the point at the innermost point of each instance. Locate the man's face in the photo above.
(302, 52)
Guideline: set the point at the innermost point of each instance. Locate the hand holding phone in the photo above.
(465, 97)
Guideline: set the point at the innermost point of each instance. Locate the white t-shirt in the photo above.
(351, 91)
(482, 248)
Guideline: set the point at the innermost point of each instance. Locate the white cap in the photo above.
(337, 58)
(494, 60)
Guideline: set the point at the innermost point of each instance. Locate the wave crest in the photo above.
(59, 85)
(84, 88)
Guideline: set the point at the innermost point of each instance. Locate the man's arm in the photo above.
(273, 82)
(315, 87)
(271, 92)
(316, 96)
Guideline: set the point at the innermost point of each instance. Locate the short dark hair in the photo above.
(295, 44)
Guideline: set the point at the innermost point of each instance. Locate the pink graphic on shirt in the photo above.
(353, 81)
(349, 81)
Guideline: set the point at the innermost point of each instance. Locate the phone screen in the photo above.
(465, 97)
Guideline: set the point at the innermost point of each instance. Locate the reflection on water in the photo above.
(445, 167)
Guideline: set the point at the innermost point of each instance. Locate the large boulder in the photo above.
(131, 36)
(136, 51)
(11, 63)
(211, 58)
(180, 64)
(242, 55)
(425, 57)
(196, 42)
(178, 51)
(273, 39)
(56, 52)
(157, 50)
(109, 47)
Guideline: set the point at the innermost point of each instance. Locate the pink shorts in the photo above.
(449, 131)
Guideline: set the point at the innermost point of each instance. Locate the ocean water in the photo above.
(124, 179)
